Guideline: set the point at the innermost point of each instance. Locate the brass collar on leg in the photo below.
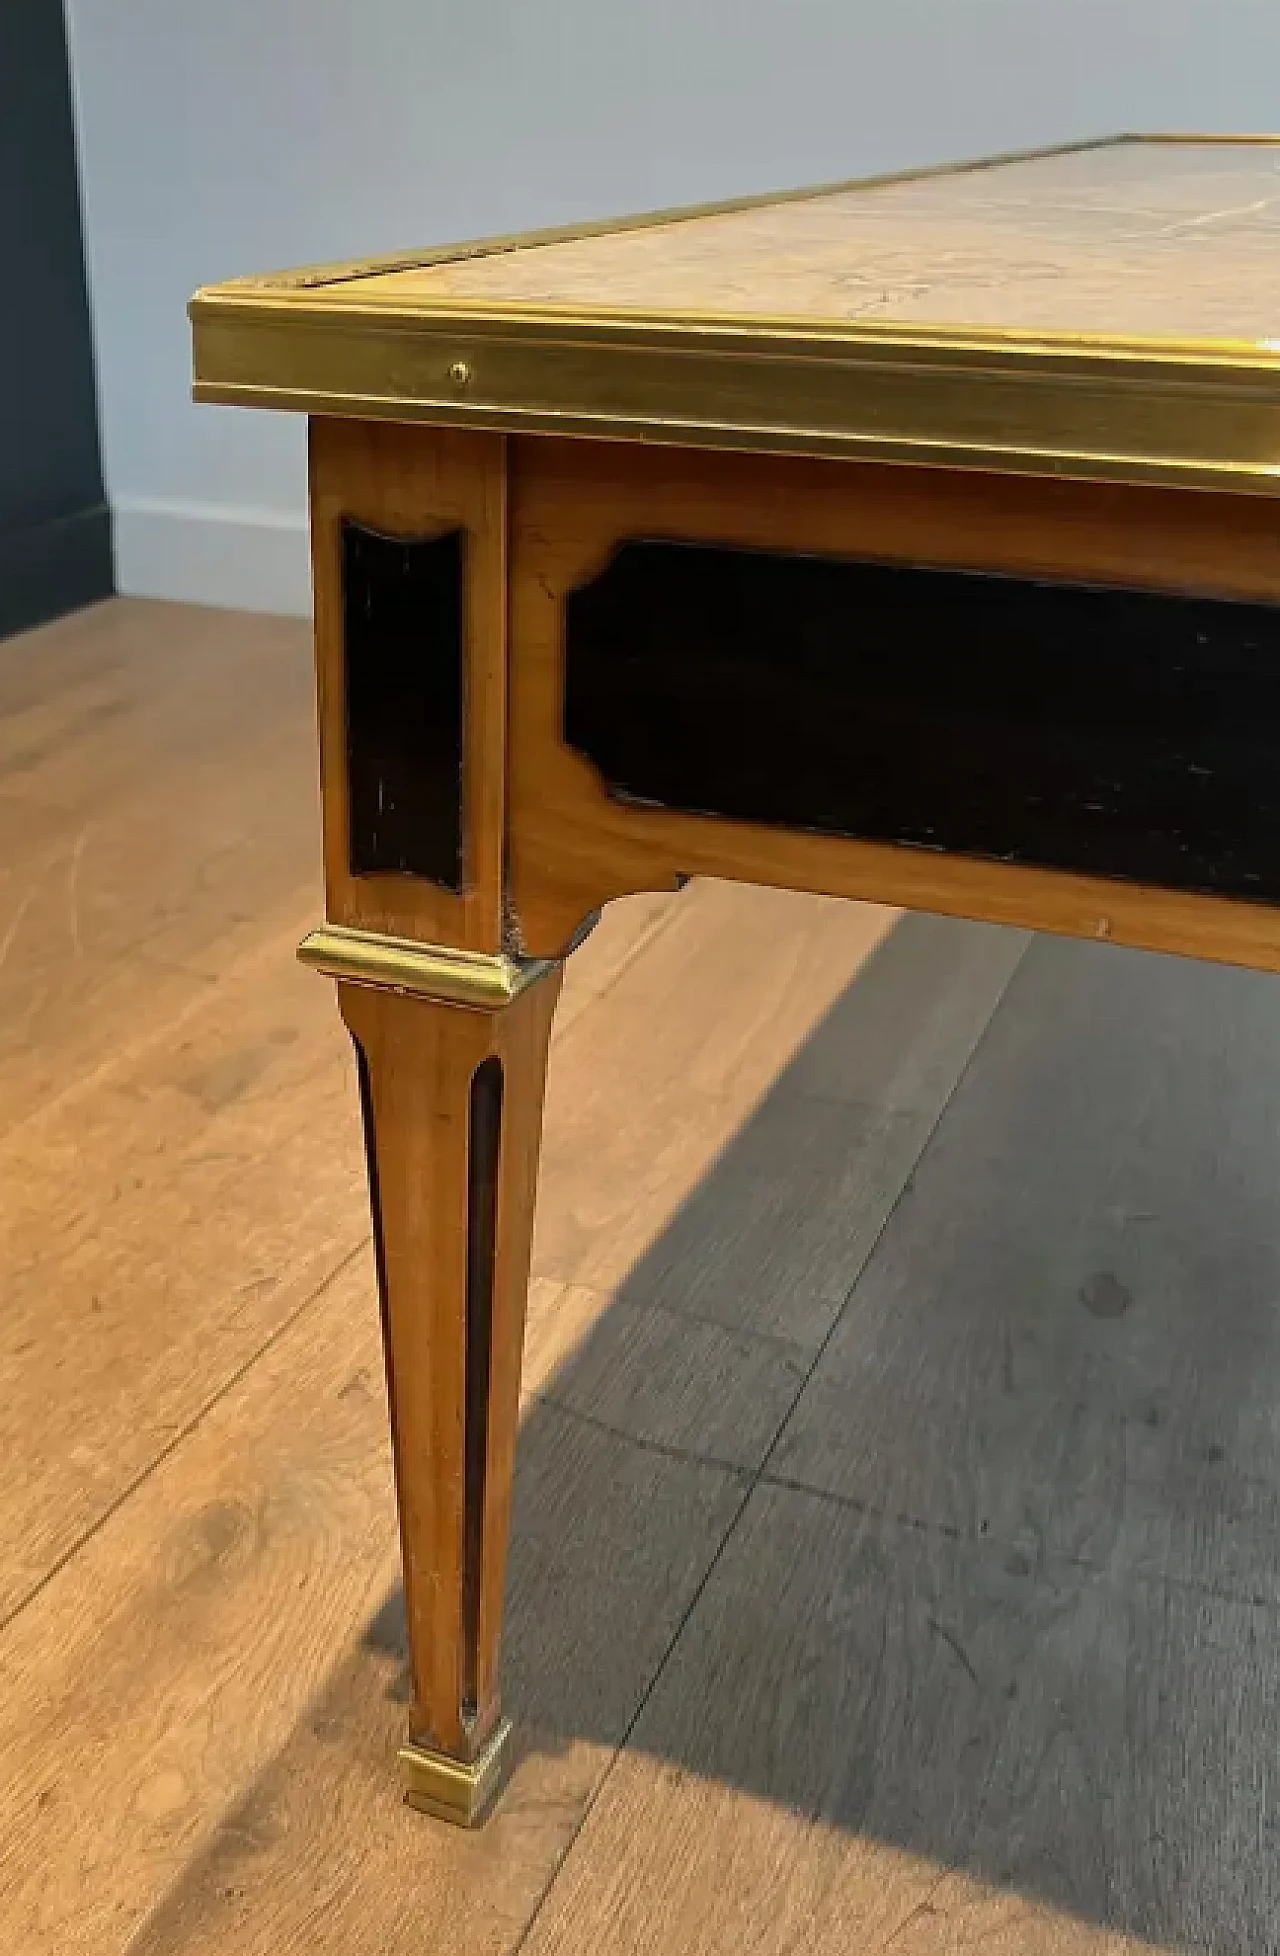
(450, 1790)
(484, 982)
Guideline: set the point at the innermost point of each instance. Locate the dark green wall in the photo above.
(55, 529)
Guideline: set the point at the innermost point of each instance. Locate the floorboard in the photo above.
(894, 1564)
(1075, 1311)
(875, 1737)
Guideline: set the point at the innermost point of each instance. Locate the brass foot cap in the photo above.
(448, 1788)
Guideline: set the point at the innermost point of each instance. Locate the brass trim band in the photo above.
(1200, 416)
(433, 971)
(450, 1790)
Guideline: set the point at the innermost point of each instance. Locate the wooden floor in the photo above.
(896, 1561)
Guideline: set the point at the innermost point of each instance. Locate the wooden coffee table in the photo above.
(915, 541)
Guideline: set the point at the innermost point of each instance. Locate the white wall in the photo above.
(220, 137)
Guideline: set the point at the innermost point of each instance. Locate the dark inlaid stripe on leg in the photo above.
(483, 1151)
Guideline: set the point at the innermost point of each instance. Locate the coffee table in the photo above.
(914, 540)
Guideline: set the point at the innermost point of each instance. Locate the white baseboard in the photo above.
(210, 553)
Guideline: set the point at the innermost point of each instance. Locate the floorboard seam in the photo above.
(228, 1385)
(770, 1340)
(649, 937)
(616, 1298)
(907, 1182)
(754, 1476)
(684, 1456)
(853, 1504)
(162, 1036)
(951, 1532)
(636, 1715)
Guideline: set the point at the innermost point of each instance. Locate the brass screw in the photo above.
(460, 373)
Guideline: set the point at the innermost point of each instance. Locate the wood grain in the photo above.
(146, 1685)
(759, 1225)
(872, 1736)
(777, 1235)
(315, 1854)
(159, 1050)
(694, 1033)
(159, 823)
(199, 1716)
(158, 1227)
(182, 1166)
(453, 1383)
(183, 1184)
(901, 1037)
(622, 934)
(671, 1260)
(1132, 240)
(416, 482)
(689, 1386)
(572, 847)
(199, 1709)
(1091, 1241)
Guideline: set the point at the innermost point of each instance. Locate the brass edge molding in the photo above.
(450, 1790)
(1219, 136)
(307, 278)
(431, 971)
(1201, 417)
(800, 335)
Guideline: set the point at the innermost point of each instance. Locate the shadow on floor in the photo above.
(996, 1582)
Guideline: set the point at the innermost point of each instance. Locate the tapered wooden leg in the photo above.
(453, 1113)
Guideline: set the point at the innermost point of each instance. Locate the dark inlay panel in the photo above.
(403, 624)
(484, 1138)
(1118, 733)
